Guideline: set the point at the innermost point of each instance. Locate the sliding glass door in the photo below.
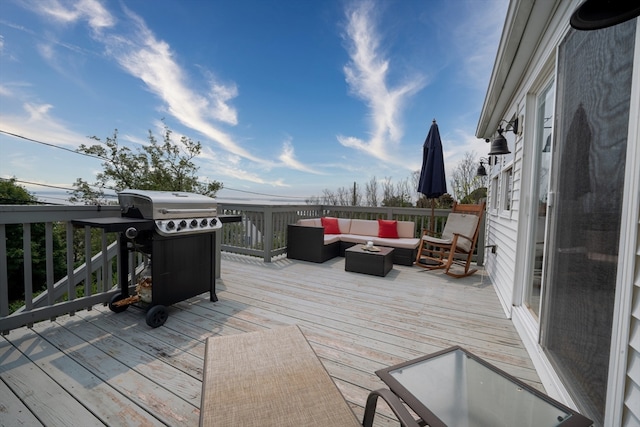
(592, 108)
(542, 168)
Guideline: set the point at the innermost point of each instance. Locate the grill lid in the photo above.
(149, 204)
(174, 212)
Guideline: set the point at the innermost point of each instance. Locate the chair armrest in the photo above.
(405, 418)
(460, 245)
(463, 236)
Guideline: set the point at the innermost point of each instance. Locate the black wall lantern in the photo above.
(482, 171)
(597, 14)
(499, 145)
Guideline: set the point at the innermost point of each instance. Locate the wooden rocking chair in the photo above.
(457, 243)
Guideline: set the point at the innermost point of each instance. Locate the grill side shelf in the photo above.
(115, 224)
(225, 219)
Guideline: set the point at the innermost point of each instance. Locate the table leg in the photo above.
(405, 418)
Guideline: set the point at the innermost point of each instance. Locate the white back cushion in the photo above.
(344, 224)
(406, 229)
(312, 222)
(464, 224)
(364, 227)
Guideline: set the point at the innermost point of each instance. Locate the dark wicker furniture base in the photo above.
(307, 244)
(401, 256)
(357, 260)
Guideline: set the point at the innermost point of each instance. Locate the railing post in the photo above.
(106, 272)
(49, 261)
(87, 261)
(27, 262)
(70, 276)
(4, 281)
(267, 236)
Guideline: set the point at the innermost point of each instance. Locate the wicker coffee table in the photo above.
(359, 260)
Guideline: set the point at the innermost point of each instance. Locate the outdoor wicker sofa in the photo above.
(311, 240)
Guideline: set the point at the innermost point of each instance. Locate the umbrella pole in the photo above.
(431, 225)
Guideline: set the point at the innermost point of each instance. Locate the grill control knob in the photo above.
(213, 222)
(183, 223)
(204, 223)
(171, 225)
(194, 223)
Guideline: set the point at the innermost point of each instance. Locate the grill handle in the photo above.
(189, 211)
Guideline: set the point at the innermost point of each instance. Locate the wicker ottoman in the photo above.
(358, 260)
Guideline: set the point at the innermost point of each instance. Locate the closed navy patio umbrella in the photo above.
(433, 183)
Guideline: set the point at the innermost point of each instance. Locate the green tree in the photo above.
(464, 180)
(165, 165)
(13, 194)
(398, 195)
(397, 201)
(443, 202)
(476, 196)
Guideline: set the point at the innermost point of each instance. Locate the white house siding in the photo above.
(538, 28)
(631, 413)
(500, 265)
(503, 231)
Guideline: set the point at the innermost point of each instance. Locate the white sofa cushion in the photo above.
(311, 222)
(355, 238)
(406, 229)
(363, 230)
(345, 225)
(331, 238)
(401, 242)
(364, 227)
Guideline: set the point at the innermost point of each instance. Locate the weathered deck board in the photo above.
(98, 367)
(44, 397)
(98, 396)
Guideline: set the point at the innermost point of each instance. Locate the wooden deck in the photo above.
(103, 368)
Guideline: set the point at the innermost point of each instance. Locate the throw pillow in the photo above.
(330, 225)
(388, 229)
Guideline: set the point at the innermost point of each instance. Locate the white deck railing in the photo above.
(90, 276)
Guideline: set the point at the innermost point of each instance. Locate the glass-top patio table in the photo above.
(456, 388)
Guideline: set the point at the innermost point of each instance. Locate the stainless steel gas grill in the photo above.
(175, 231)
(174, 213)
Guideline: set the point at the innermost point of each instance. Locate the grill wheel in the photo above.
(157, 315)
(117, 308)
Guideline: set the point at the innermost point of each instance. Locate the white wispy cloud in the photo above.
(214, 165)
(140, 53)
(152, 60)
(288, 158)
(69, 12)
(366, 74)
(205, 108)
(5, 91)
(218, 164)
(42, 125)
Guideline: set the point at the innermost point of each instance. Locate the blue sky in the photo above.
(287, 97)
